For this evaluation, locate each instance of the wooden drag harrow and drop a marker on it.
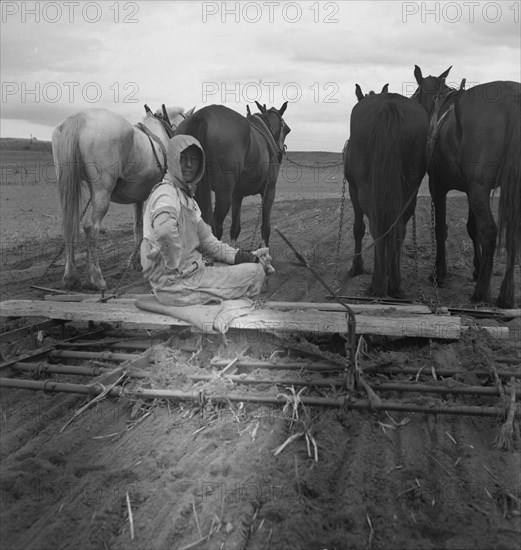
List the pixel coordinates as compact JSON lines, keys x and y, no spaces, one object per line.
{"x":123,"y":359}
{"x":343,"y":377}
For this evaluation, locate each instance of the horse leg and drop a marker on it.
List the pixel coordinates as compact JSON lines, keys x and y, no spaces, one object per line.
{"x":506,"y":292}
{"x":71,"y":277}
{"x":134,"y":261}
{"x":222,"y":206}
{"x":439,"y":198}
{"x":100,"y":205}
{"x":487,"y":233}
{"x":379,"y":280}
{"x":378,"y":285}
{"x":267,"y":203}
{"x":358,"y":232}
{"x":395,"y":275}
{"x":473,"y":234}
{"x":235,"y":227}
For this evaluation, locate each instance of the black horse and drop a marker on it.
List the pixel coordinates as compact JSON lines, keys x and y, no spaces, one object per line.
{"x":243,"y":156}
{"x":474,"y":147}
{"x":384,"y":164}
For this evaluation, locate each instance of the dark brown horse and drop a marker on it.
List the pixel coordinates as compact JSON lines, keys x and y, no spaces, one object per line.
{"x":384,"y":165}
{"x":243,"y":156}
{"x":474,"y":147}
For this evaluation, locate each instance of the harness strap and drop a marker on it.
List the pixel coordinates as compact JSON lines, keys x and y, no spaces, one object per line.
{"x":258,"y":124}
{"x":433,"y":137}
{"x":435,"y":124}
{"x":151,"y":136}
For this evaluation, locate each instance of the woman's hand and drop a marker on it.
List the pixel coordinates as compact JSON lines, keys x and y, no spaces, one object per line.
{"x":265,"y":259}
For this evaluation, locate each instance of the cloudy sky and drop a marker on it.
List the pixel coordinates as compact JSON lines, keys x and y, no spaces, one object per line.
{"x":61,"y":57}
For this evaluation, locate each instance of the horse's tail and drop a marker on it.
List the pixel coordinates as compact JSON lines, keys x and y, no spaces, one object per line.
{"x":509,"y":178}
{"x":68,"y":165}
{"x":197,"y":126}
{"x":387,"y":177}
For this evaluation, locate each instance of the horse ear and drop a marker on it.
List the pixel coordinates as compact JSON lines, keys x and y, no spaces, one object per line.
{"x":248,"y":112}
{"x":148,"y":110}
{"x":358,"y":92}
{"x":444,"y":74}
{"x":283,"y":108}
{"x":385,"y":89}
{"x":165,"y":114}
{"x":418,"y":74}
{"x":462,"y":85}
{"x":259,"y":106}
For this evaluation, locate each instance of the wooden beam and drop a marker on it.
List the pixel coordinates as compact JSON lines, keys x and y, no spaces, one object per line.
{"x":406,"y":309}
{"x":263,"y":320}
{"x":129,"y":316}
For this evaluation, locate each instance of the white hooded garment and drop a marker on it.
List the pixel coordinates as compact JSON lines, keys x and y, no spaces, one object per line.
{"x":174,"y":243}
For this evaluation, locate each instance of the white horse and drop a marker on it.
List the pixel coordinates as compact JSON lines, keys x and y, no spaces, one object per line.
{"x":118,"y":162}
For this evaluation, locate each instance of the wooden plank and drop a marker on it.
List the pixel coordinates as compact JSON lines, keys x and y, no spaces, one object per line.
{"x":406,"y":309}
{"x":427,"y":326}
{"x":127,"y":314}
{"x":264,"y":320}
{"x":375,"y":308}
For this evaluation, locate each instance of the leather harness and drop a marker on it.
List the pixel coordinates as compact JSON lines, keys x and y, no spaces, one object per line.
{"x":258,"y":124}
{"x":151,"y":136}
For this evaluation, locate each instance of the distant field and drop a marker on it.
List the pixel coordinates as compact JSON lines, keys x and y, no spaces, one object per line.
{"x":303,"y":174}
{"x":310,"y":175}
{"x":318,"y":174}
{"x":26,"y":162}
{"x":30,"y":208}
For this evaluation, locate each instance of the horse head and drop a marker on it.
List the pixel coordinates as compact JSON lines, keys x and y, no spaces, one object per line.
{"x":431,"y":89}
{"x":173,"y":116}
{"x":360,"y":95}
{"x":159,"y":123}
{"x":276,"y":124}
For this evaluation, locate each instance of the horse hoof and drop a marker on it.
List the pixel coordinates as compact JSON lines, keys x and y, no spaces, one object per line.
{"x":504,"y":303}
{"x":478,"y":298}
{"x":88,"y":285}
{"x":71,"y":284}
{"x":97,"y":283}
{"x":374,"y":293}
{"x":356,"y":270}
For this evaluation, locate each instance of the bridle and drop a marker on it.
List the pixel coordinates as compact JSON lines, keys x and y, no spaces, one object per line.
{"x":279,"y":135}
{"x":435,"y":123}
{"x":167,"y":126}
{"x":169,"y":130}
